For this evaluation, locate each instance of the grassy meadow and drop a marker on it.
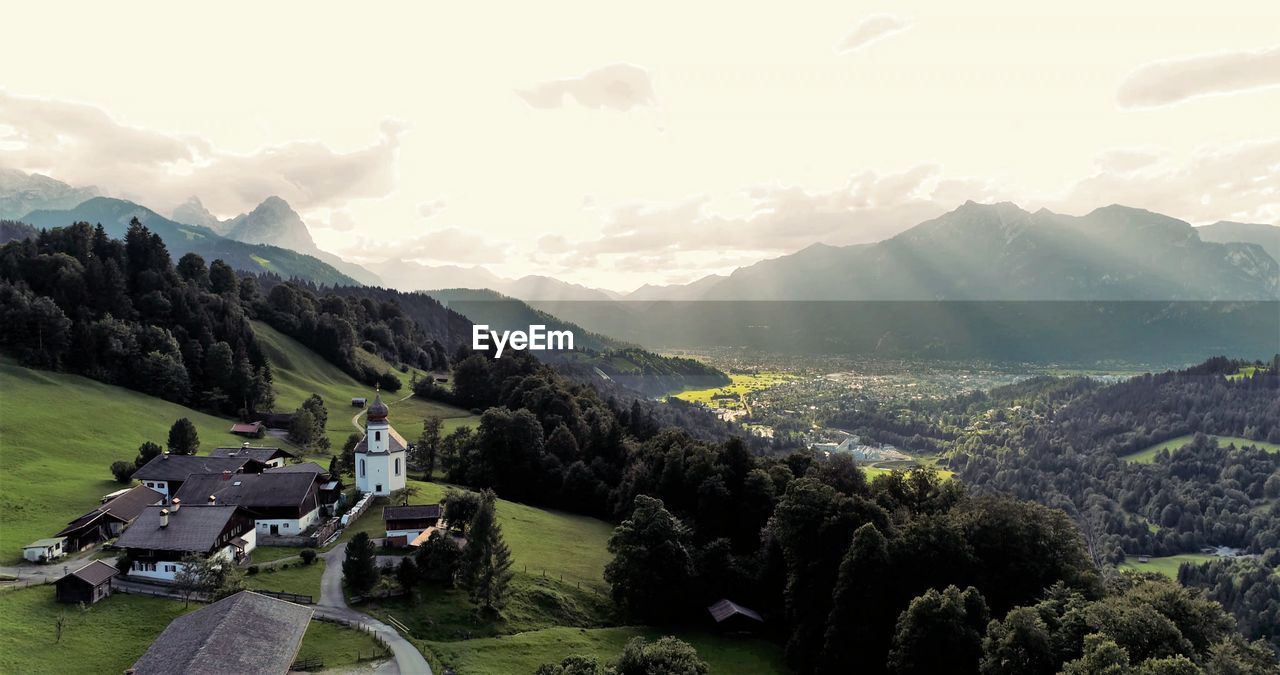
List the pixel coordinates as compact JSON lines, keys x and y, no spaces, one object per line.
{"x":1166,"y":565}
{"x":1148,"y":455}
{"x":60,"y":433}
{"x":742,"y":384}
{"x":524,"y":652}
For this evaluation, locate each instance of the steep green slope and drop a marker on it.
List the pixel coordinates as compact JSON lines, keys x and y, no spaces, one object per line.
{"x":300,"y":372}
{"x":59,"y":434}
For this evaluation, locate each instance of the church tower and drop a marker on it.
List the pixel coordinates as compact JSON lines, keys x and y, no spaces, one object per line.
{"x":380,"y":456}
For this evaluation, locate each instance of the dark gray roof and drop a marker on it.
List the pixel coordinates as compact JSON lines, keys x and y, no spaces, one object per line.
{"x":419,"y":512}
{"x":127,"y":506}
{"x":95,"y":573}
{"x":244,"y":633}
{"x":300,"y":467}
{"x":178,"y":467}
{"x":262,"y":454}
{"x":192,"y":528}
{"x":396,"y":444}
{"x":248,"y":489}
{"x":727,"y":608}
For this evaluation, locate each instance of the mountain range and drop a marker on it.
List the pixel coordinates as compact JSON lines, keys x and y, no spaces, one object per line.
{"x":181,"y":238}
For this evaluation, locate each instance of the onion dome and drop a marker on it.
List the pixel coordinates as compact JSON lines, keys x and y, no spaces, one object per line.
{"x":378,"y":410}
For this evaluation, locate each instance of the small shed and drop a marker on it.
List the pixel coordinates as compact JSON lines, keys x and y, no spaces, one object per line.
{"x":252,"y":429}
{"x":89,"y":584}
{"x":359,"y":401}
{"x":44,"y":550}
{"x":731,"y":616}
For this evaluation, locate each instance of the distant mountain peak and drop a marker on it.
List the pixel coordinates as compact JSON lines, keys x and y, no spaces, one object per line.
{"x":193,"y":212}
{"x":22,"y":193}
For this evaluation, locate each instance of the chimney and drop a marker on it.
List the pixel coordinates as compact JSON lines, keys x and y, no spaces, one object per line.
{"x":226,"y":474}
{"x":213,"y":501}
{"x":177,"y":504}
{"x":164,"y":517}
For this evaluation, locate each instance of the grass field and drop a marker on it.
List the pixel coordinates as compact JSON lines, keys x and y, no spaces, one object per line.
{"x":59,"y":435}
{"x":1166,"y":565}
{"x":112,"y":634}
{"x":300,"y":579}
{"x":1246,"y":371}
{"x":1148,"y":455}
{"x":523,"y":653}
{"x":742,"y":384}
{"x":300,"y":372}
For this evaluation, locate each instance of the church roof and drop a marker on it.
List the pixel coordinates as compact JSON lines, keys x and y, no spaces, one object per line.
{"x":378,"y":410}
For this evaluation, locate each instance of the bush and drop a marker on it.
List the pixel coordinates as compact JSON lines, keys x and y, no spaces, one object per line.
{"x":253,"y":569}
{"x":308,"y":556}
{"x":123,"y":471}
{"x":389,"y":382}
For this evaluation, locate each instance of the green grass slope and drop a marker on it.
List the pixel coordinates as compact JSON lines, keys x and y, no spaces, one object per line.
{"x":1148,"y":455}
{"x":59,"y":435}
{"x":299,"y":372}
{"x":1167,"y":565}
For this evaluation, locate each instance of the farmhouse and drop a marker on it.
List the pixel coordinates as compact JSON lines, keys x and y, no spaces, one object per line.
{"x":266,"y":455}
{"x":88,"y":584}
{"x":380,"y":455}
{"x":329,"y":487}
{"x":410,"y":521}
{"x":280,"y":502}
{"x":109,"y":519}
{"x":165,"y":473}
{"x":43,"y":550}
{"x":161,"y":537}
{"x":244,"y":633}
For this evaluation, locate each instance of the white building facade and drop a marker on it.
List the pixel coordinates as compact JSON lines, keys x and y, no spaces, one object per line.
{"x":381,"y":456}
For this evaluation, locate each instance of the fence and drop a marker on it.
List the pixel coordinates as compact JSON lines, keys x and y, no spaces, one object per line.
{"x":307,"y":664}
{"x":14,"y":584}
{"x":291,"y":597}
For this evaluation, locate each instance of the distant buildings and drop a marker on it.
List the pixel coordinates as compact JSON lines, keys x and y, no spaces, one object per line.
{"x":162,"y":536}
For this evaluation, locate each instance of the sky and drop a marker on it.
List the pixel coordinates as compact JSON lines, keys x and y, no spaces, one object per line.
{"x":616,"y":145}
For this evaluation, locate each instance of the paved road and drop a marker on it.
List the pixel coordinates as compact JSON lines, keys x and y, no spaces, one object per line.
{"x":333,"y":605}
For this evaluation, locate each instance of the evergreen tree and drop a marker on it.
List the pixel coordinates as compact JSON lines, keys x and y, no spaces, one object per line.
{"x":486,"y":563}
{"x":652,"y":564}
{"x":183,"y":439}
{"x":857,"y":635}
{"x":147,"y":452}
{"x":428,"y":444}
{"x":940,"y":632}
{"x":360,"y":566}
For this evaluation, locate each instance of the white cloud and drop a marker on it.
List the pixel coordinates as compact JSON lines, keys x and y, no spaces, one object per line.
{"x":432,"y":208}
{"x":83,"y":145}
{"x":1175,"y":80}
{"x":619,"y":86}
{"x":870,"y":29}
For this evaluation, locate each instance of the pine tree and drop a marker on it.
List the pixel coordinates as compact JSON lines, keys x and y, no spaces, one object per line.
{"x":183,"y":439}
{"x":429,"y":444}
{"x":486,"y":564}
{"x":360,"y":568}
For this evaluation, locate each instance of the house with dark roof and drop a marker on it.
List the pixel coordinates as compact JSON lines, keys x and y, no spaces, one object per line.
{"x":109,"y":519}
{"x":243,"y":633}
{"x":411,"y":521}
{"x":88,"y":584}
{"x":280,"y":502}
{"x":329,"y":487}
{"x":731,"y":616}
{"x":165,"y":472}
{"x":267,"y":455}
{"x":161,"y":537}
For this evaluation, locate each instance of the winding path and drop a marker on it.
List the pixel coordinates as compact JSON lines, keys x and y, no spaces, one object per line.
{"x":333,"y":605}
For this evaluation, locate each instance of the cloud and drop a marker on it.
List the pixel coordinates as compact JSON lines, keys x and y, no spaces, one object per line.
{"x":83,"y":145}
{"x":1238,"y":181}
{"x":339,"y":220}
{"x":870,"y":29}
{"x":619,"y":86}
{"x":432,"y":208}
{"x":1175,"y":80}
{"x":448,"y":245}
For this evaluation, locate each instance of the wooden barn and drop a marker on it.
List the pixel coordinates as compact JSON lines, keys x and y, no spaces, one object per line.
{"x":89,"y":584}
{"x":734,"y":618}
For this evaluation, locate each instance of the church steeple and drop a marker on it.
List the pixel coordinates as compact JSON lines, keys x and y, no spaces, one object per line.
{"x":378,"y":410}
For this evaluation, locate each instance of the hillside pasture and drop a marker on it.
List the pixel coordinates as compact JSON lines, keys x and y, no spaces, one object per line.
{"x":730,"y":396}
{"x":1148,"y":455}
{"x":1167,"y":565}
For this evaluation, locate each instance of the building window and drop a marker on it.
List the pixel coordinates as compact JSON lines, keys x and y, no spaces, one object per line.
{"x":286,"y":526}
{"x":362,"y":468}
{"x":397,"y":466}
{"x":377,"y":435}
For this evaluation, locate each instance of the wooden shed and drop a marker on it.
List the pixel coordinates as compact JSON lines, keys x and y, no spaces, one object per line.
{"x":89,"y":584}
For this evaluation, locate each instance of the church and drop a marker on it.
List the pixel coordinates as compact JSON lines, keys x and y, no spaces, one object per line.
{"x":381,"y":455}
